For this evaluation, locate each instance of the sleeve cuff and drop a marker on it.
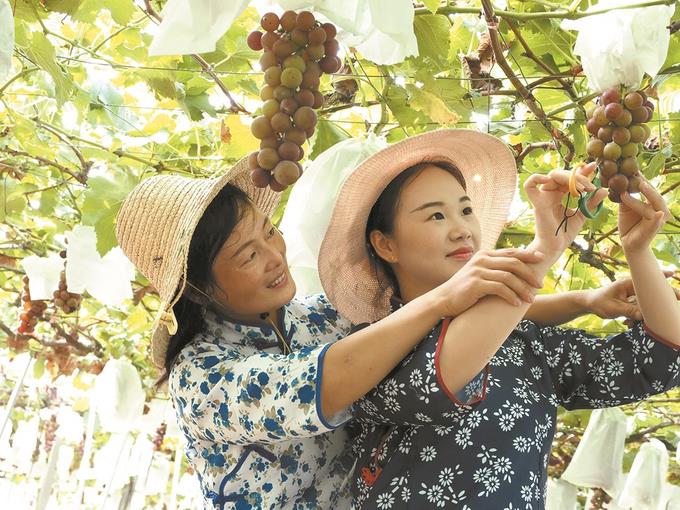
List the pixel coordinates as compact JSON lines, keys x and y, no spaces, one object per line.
{"x":660,"y":339}
{"x":473,"y":399}
{"x":338,"y":418}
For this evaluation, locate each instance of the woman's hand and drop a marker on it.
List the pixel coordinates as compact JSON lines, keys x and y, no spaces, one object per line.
{"x":549,"y":209}
{"x":639,"y":222}
{"x":504,"y":273}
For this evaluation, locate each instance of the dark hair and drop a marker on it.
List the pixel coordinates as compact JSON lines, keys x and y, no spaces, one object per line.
{"x":384,"y":210}
{"x":215,"y":226}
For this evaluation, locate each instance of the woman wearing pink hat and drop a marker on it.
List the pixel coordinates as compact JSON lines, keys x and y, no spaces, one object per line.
{"x":466,"y":420}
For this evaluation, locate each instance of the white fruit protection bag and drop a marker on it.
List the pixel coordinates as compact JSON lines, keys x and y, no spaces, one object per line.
{"x":119,"y":396}
{"x":561,"y":495}
{"x":597,"y":462}
{"x":644,"y":486}
{"x":311,"y":204}
{"x":619,"y":47}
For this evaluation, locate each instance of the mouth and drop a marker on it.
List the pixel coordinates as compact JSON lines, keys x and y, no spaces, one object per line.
{"x":461,"y":254}
{"x":279,"y":282}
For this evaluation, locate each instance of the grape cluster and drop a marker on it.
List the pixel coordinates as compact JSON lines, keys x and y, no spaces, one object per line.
{"x":67,"y":302}
{"x":32,"y":311}
{"x":50,"y":433}
{"x":160,"y":435}
{"x":618,"y":128}
{"x":297,"y":51}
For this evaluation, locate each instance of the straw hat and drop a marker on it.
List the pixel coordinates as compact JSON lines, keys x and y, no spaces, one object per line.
{"x":345,"y":270}
{"x":154,"y":228}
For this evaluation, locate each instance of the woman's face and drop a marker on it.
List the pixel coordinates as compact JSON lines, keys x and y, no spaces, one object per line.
{"x":435,"y":232}
{"x":251,"y":270}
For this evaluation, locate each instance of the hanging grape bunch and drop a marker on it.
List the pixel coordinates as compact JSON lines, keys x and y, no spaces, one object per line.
{"x":297,"y":51}
{"x":618,"y":125}
{"x":32,"y":311}
{"x":159,"y":436}
{"x":67,"y":302}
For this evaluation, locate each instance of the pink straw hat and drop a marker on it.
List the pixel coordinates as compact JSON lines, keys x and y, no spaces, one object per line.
{"x":346,"y":272}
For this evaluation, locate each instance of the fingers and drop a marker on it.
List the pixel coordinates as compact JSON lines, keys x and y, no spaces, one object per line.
{"x":518,"y":286}
{"x":588,"y":169}
{"x":502,"y":291}
{"x":637,"y":206}
{"x":597,"y":198}
{"x":515,"y":267}
{"x":528,"y":256}
{"x":654,"y":198}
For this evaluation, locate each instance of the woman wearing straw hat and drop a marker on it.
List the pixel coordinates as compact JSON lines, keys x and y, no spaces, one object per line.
{"x":467,"y":418}
{"x":260,"y":382}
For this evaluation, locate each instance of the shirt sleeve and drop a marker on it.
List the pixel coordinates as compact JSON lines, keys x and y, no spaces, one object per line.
{"x":224,"y":396}
{"x":589,"y":372}
{"x":414,"y":392}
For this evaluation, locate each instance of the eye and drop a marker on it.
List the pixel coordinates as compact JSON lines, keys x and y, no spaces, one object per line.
{"x":467,"y":210}
{"x":436,"y":216}
{"x":271,"y":233}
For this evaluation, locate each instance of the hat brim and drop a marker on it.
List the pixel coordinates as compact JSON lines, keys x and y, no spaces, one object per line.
{"x":264,"y":199}
{"x":346,"y":273}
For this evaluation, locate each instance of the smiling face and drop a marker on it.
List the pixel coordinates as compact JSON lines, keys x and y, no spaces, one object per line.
{"x":435,"y":232}
{"x":251,"y":270}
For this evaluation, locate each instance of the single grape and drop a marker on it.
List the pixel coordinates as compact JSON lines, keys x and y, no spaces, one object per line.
{"x":313,"y":67}
{"x":310,"y":80}
{"x":290,"y":151}
{"x":317,"y":35}
{"x":614,"y":196}
{"x":330,"y":29}
{"x":650,"y":113}
{"x":296,"y":136}
{"x":592,"y":126}
{"x":268,"y":158}
{"x":318,"y":100}
{"x":605,"y":133}
{"x":315,"y":51}
{"x":331,"y":48}
{"x":276,"y":186}
{"x":332,"y":65}
{"x":266,"y":93}
{"x":272,"y":76}
{"x":611,"y":95}
{"x":310,"y":132}
{"x":612,"y":151}
{"x":267,"y":60}
{"x":283,"y":48}
{"x":305,"y":21}
{"x":624,"y":119}
{"x":289,"y":106}
{"x":595,"y":147}
{"x":305,"y":97}
{"x":647,"y":130}
{"x":648,"y":104}
{"x":255,"y":40}
{"x":271,"y":142}
{"x":634,"y":184}
{"x":618,"y":183}
{"x":609,"y":168}
{"x":270,"y":22}
{"x":252,"y":160}
{"x":269,"y":39}
{"x":305,"y":118}
{"x":621,"y":135}
{"x":640,"y":115}
{"x":590,"y":109}
{"x":291,"y":78}
{"x":286,"y":172}
{"x":628,"y":167}
{"x":281,"y":123}
{"x":637,"y":133}
{"x":295,"y":61}
{"x":299,"y":37}
{"x":633,"y":100}
{"x":281,"y":92}
{"x":261,"y":128}
{"x":613,"y":110}
{"x":260,"y":177}
{"x":270,"y":108}
{"x":288,"y":20}
{"x":600,"y":117}
{"x":630,"y":150}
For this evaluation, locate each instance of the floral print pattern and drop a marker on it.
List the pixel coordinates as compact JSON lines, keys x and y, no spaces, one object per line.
{"x":488,"y":446}
{"x":251,"y":415}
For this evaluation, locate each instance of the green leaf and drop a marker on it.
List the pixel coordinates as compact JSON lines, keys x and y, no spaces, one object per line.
{"x":42,"y":52}
{"x":431,"y":30}
{"x":327,"y":134}
{"x":196,"y":106}
{"x":39,"y":368}
{"x":655,"y":165}
{"x":103,"y":199}
{"x":121,"y":10}
{"x":432,"y":5}
{"x":432,"y":106}
{"x":48,"y":201}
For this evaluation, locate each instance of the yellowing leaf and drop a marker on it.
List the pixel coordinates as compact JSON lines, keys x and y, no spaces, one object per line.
{"x":432,"y":106}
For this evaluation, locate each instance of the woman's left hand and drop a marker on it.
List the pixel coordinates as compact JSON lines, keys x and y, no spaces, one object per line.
{"x":640,"y":222}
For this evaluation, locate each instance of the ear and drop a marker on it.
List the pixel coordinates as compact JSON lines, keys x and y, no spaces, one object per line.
{"x":383,"y":246}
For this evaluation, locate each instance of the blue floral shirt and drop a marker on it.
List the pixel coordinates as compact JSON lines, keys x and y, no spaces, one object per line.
{"x":487,"y":446}
{"x":252,"y":416}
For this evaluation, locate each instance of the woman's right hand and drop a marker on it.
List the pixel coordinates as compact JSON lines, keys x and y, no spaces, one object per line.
{"x":504,"y":273}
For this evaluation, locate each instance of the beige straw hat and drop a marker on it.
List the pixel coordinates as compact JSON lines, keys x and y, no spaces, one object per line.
{"x":345,"y":270}
{"x":154,"y":228}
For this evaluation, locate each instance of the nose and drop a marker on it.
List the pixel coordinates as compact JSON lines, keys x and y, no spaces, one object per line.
{"x":459,"y":230}
{"x":275,"y":256}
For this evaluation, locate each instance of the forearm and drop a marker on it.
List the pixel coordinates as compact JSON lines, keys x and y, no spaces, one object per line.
{"x":356,"y":364}
{"x":473,"y":337}
{"x":554,"y":309}
{"x":655,"y":296}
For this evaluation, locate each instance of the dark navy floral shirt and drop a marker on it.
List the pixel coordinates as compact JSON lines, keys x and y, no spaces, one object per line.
{"x":487,"y":447}
{"x":252,"y":418}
